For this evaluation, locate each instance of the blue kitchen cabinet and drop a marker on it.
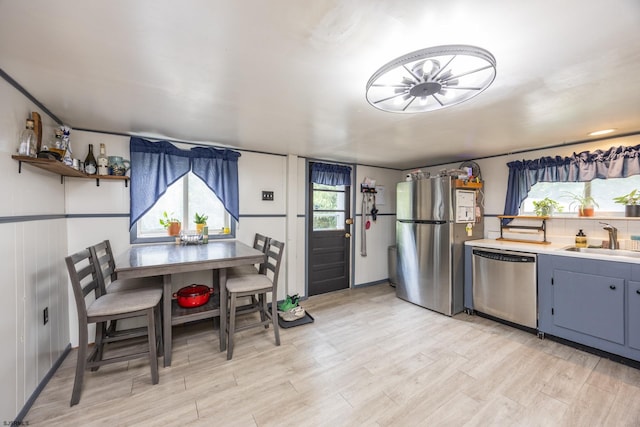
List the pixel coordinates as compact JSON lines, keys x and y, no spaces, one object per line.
{"x":590,"y":302}
{"x":633,"y":314}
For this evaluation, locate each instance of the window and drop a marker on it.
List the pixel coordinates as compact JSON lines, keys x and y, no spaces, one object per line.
{"x":182,"y":200}
{"x":602,"y":190}
{"x":328,"y":207}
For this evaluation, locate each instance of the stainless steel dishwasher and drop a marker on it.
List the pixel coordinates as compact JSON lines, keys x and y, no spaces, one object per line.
{"x":504,"y":285}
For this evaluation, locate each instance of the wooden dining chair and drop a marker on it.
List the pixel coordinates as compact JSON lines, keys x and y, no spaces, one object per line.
{"x":261,"y":243}
{"x":93,"y":305}
{"x":256,"y":284}
{"x":109,"y":282}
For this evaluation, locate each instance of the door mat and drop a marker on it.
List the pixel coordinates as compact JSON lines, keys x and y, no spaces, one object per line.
{"x":307,"y":318}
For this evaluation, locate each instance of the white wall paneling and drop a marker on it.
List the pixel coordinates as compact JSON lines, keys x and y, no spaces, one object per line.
{"x":32,"y":267}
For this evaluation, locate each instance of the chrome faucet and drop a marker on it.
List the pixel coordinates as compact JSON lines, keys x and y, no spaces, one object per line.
{"x":613,"y":235}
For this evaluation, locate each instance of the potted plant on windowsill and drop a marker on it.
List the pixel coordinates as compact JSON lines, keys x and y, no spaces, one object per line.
{"x":201,"y":222}
{"x":586,"y":204}
{"x":546,"y":207}
{"x":170,"y":223}
{"x":631,"y":203}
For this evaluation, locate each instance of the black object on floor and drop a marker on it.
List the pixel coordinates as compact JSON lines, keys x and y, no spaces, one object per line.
{"x":307,"y":318}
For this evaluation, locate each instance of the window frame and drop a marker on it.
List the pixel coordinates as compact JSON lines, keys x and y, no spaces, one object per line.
{"x":184,"y":180}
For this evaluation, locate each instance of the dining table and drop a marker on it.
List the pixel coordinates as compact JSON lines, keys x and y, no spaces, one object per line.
{"x":162,"y":259}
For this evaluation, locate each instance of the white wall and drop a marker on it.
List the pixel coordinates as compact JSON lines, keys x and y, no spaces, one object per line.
{"x":495,"y":174}
{"x":373,"y":267}
{"x":32,"y":270}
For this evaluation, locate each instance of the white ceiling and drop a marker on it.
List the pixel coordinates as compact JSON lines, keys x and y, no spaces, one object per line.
{"x":289,"y":76}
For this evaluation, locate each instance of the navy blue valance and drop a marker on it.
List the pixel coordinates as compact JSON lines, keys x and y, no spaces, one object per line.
{"x":616,"y":162}
{"x":155,"y":165}
{"x":330,"y":174}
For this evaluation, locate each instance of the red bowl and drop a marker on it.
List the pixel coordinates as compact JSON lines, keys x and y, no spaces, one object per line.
{"x":193,"y":296}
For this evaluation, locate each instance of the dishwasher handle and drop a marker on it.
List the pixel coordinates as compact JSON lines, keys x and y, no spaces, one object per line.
{"x":505,"y":257}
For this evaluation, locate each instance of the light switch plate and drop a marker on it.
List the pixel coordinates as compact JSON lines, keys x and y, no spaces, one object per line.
{"x":267,"y":195}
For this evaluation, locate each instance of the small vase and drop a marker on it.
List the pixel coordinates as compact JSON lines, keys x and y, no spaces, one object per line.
{"x":200,"y":227}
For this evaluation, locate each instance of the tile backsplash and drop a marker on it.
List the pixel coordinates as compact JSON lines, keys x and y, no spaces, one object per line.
{"x":564,"y":229}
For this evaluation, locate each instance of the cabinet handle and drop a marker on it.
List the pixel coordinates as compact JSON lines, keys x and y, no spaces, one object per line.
{"x":612,"y":287}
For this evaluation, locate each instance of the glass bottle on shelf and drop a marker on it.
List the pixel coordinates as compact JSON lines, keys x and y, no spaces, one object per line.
{"x":90,"y":164}
{"x":28,"y":141}
{"x":103,"y":161}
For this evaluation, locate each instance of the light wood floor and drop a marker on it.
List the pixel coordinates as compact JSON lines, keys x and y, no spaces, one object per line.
{"x":369,"y":359}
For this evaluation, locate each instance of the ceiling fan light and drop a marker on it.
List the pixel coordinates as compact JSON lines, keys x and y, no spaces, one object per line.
{"x":420,"y":72}
{"x":430,"y":67}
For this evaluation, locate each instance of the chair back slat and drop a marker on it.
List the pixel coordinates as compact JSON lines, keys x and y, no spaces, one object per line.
{"x":261,"y":243}
{"x":274,"y":259}
{"x":106,"y":273}
{"x":84,"y":280}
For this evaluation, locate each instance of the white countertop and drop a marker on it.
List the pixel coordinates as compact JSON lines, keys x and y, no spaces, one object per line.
{"x":551,"y":248}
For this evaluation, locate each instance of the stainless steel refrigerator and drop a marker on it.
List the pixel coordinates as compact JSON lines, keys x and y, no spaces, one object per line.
{"x":434,"y":217}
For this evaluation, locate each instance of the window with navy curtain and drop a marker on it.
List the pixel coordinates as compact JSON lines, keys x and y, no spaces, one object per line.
{"x":330,"y":174}
{"x":617,"y":162}
{"x":158,"y":164}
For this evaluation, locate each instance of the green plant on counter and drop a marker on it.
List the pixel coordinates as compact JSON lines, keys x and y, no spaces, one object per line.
{"x":546,"y":207}
{"x":581,"y":201}
{"x":633,"y":198}
{"x":167,"y":219}
{"x":200,"y":219}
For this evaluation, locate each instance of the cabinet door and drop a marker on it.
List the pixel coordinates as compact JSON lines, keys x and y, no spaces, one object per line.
{"x":589,"y":304}
{"x":633,"y":310}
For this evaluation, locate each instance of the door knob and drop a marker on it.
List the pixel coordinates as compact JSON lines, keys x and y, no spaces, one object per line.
{"x":347,"y":235}
{"x":349,"y":221}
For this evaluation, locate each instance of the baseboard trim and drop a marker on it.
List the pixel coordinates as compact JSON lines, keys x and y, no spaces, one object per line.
{"x":41,"y":386}
{"x":377,"y":282}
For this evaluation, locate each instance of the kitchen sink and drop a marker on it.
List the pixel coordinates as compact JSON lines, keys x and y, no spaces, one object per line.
{"x":601,"y":251}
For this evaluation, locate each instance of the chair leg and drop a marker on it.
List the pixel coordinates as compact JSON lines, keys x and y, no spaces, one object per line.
{"x":262,"y":305}
{"x":153,"y":356}
{"x":159,"y":340}
{"x":232,"y":324}
{"x":274,"y":319}
{"x":81,"y":363}
{"x":101,"y":331}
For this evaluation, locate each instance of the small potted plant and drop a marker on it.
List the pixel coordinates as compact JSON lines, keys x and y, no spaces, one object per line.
{"x":586,"y":204}
{"x":201,"y":222}
{"x":546,"y":207}
{"x":170,"y":223}
{"x":631,"y":203}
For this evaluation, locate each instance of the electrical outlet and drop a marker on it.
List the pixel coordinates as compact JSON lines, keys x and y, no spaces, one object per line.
{"x":267,"y":195}
{"x":45,"y":315}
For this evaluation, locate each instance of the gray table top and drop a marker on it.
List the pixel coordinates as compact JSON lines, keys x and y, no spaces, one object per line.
{"x":157,"y":259}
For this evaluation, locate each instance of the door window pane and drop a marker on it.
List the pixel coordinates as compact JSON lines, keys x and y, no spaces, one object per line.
{"x":328,"y":207}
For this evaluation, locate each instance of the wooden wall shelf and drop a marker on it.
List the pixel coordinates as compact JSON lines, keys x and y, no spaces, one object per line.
{"x":63,"y":170}
{"x":460,"y":183}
